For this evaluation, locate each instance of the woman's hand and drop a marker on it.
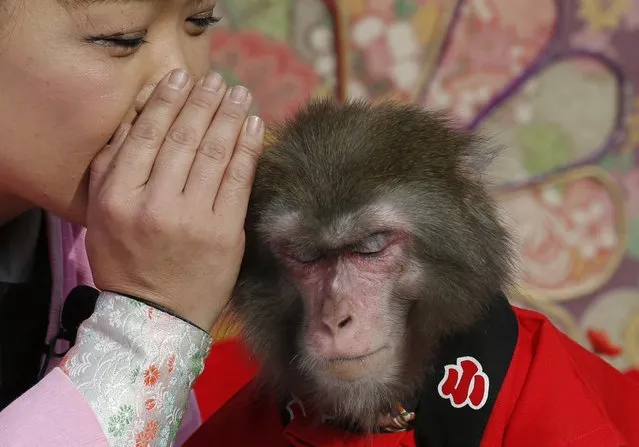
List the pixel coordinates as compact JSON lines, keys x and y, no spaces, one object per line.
{"x":168,"y":198}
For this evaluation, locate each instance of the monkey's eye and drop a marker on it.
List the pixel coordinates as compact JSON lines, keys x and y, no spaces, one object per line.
{"x":306,"y":256}
{"x":373,"y":244}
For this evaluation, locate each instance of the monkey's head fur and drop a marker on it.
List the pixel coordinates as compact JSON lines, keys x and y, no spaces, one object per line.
{"x":370,"y":237}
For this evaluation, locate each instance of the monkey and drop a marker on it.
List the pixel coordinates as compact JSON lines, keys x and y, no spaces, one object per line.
{"x":353,"y":263}
{"x":376,"y":274}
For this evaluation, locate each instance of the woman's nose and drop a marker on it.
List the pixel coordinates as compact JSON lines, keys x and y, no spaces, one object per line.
{"x":147,"y":90}
{"x":160,"y":64}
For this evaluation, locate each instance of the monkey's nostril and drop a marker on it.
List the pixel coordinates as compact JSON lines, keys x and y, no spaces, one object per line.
{"x":344,"y":322}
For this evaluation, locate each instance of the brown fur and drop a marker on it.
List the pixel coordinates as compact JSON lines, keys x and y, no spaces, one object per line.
{"x":332,"y":159}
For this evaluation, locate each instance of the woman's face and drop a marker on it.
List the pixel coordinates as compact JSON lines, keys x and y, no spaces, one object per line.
{"x":71,"y":71}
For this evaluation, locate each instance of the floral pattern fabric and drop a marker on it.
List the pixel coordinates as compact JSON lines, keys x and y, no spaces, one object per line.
{"x":135,"y":365}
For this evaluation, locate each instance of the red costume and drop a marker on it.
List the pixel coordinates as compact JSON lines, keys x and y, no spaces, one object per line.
{"x":517,"y":381}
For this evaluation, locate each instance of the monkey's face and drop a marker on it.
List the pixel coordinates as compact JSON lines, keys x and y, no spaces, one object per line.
{"x":326,"y":304}
{"x":353,"y":279}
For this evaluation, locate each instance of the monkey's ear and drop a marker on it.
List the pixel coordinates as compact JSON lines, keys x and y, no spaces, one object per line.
{"x":476,"y":158}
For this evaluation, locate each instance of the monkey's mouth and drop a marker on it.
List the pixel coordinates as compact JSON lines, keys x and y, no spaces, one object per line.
{"x":357,"y":367}
{"x":354,"y":358}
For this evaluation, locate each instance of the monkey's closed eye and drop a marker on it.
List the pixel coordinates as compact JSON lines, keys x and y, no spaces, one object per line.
{"x":373,"y":244}
{"x":306,"y":256}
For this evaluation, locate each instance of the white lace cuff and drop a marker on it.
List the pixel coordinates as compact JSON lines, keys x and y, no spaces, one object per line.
{"x":136,"y":365}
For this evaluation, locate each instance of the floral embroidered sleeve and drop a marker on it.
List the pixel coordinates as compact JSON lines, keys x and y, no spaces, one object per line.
{"x":136,"y":365}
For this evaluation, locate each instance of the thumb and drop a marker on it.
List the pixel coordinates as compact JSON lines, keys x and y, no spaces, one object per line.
{"x":103,"y":161}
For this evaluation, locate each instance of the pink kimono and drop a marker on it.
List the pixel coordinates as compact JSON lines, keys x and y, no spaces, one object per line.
{"x":151,"y":400}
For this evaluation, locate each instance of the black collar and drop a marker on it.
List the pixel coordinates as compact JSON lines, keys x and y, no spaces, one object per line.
{"x":455,"y":407}
{"x":459,"y":420}
{"x":24,"y":317}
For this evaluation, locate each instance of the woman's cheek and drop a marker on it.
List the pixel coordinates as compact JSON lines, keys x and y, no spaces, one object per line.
{"x":90,"y":109}
{"x":83,"y":114}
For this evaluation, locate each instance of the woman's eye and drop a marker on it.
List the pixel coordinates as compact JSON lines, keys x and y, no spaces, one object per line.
{"x":202,"y":22}
{"x":124,"y":44}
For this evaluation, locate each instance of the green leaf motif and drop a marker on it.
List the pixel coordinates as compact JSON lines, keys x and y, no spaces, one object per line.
{"x":134,"y":374}
{"x":119,"y":422}
{"x":271,"y":17}
{"x":174,"y":428}
{"x":545,"y":147}
{"x":197,"y":364}
{"x":405,"y":8}
{"x":633,"y":238}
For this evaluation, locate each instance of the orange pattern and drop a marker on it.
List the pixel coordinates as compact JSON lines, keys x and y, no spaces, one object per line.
{"x":151,"y":376}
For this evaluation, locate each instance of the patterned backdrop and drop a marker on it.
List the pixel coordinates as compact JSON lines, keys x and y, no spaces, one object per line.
{"x":555,"y":81}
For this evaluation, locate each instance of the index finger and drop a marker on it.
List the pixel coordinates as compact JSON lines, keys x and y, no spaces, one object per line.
{"x":135,"y":159}
{"x":235,"y":190}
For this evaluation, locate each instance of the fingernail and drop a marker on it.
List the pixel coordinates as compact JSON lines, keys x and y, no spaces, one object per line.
{"x":212,"y":82}
{"x":254,"y":125}
{"x":178,"y":79}
{"x":239,"y":94}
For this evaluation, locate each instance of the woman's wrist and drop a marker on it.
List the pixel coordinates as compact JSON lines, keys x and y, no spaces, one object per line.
{"x":161,"y":308}
{"x":136,"y":365}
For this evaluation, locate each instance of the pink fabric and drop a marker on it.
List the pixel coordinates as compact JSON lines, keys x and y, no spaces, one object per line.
{"x":70,"y":267}
{"x":53,"y":413}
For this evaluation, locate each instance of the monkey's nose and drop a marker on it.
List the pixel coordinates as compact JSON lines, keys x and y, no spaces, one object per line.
{"x":336,"y":323}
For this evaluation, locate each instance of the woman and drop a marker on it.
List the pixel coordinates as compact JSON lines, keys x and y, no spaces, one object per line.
{"x":109,"y":119}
